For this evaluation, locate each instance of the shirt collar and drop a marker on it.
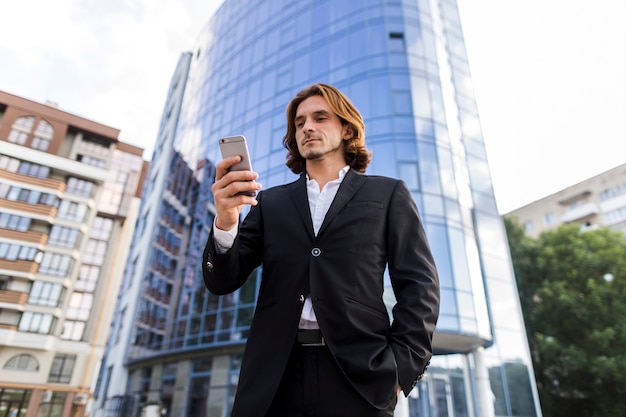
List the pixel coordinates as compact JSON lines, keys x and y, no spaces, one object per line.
{"x":342,"y":173}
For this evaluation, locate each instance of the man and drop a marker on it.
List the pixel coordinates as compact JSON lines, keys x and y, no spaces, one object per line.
{"x":321,"y":342}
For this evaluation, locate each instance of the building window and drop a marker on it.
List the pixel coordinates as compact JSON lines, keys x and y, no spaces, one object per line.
{"x":55,"y":264}
{"x":615,"y":216}
{"x":14,"y":222}
{"x":95,"y":146}
{"x":36,"y":323}
{"x":101,"y":228}
{"x":576,"y":204}
{"x":40,"y":144}
{"x":12,"y":252}
{"x":199,"y":387}
{"x":45,"y":294}
{"x":549,"y":219}
{"x":79,"y":187}
{"x":396,"y":42}
{"x":9,"y":164}
{"x":87,"y":278}
{"x":22,"y":362}
{"x":79,"y":306}
{"x":14,"y":401}
{"x":529,"y":227}
{"x":27,"y":196}
{"x":53,"y":405}
{"x":90,"y":160}
{"x":120,"y":326}
{"x":613,"y":192}
{"x":43,"y":136}
{"x":18,"y":137}
{"x":62,"y":368}
{"x":94,"y":252}
{"x":69,"y":210}
{"x":21,"y":129}
{"x":62,"y":236}
{"x":73,"y":330}
{"x":33,"y":170}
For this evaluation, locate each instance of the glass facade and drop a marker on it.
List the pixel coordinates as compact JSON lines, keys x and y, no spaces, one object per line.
{"x":403,"y":64}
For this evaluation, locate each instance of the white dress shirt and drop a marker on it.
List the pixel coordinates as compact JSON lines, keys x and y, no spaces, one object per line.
{"x":319,"y":203}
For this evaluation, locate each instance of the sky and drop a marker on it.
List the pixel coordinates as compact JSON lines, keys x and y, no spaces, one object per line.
{"x":549,"y":76}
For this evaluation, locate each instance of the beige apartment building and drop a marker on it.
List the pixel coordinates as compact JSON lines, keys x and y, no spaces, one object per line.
{"x":597,"y":201}
{"x":69,"y":194}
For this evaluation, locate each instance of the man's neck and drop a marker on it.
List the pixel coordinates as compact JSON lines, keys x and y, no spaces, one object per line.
{"x":323,"y":173}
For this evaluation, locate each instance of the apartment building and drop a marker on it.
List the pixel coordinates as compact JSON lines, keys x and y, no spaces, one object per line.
{"x":69,"y":197}
{"x":594,"y":202}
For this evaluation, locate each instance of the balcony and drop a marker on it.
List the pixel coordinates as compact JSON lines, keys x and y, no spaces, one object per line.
{"x":53,"y":185}
{"x":28,"y":236}
{"x":12,"y":337}
{"x":29,"y":267}
{"x":26,"y":208}
{"x":13,"y":297}
{"x":152,"y":322}
{"x":578,"y":213}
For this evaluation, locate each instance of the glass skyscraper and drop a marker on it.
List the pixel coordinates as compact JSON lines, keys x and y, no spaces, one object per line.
{"x":404,"y":66}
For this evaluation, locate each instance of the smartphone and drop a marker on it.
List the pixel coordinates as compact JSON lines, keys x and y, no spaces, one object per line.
{"x":236,"y":145}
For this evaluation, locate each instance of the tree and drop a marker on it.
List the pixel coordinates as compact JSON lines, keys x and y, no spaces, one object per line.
{"x":572,"y":286}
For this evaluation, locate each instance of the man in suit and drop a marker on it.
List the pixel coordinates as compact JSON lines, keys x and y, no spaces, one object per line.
{"x":321,"y":342}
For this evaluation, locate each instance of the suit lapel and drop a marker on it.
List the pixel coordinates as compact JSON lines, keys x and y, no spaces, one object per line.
{"x":301,"y":201}
{"x":348,"y":188}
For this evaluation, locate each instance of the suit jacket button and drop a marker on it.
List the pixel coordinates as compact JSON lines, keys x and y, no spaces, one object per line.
{"x":209,"y":266}
{"x":316,"y":252}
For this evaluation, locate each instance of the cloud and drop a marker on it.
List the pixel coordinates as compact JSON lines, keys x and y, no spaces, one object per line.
{"x":109,"y":61}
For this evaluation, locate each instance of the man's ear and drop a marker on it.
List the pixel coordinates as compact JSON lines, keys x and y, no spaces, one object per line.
{"x":348,"y":132}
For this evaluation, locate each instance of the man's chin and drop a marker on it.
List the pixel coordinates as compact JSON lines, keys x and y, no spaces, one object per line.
{"x":312,"y":156}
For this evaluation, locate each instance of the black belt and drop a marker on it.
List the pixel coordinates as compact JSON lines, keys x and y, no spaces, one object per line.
{"x":310,"y":337}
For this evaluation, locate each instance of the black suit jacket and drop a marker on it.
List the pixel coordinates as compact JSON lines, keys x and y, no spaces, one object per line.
{"x":373,"y":222}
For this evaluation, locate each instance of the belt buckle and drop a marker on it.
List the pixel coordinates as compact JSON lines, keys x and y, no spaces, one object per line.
{"x":314,"y":344}
{"x":311,"y":338}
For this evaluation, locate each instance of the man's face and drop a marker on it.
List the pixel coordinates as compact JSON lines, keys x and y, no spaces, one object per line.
{"x":319,"y":132}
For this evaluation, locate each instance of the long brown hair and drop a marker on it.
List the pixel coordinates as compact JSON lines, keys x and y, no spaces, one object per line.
{"x":355,"y":152}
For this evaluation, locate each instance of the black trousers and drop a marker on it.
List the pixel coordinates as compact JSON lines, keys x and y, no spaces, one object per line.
{"x":314,"y":386}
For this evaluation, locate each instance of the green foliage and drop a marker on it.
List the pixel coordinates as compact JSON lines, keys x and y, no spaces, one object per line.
{"x":575,"y":317}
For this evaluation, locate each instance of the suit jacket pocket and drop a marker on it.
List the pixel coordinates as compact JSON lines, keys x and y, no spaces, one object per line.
{"x":371,"y":310}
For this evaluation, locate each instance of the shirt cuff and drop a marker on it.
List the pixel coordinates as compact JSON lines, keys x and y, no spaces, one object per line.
{"x":223,"y":238}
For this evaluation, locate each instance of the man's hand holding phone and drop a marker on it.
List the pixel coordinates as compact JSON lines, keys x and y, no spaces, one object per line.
{"x":235,"y":183}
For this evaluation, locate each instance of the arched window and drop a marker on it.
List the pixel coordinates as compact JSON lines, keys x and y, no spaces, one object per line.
{"x":43,"y":136}
{"x":21,"y":129}
{"x":22,"y":362}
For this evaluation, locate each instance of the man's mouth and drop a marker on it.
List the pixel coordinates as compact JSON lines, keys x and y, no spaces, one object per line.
{"x":306,"y":141}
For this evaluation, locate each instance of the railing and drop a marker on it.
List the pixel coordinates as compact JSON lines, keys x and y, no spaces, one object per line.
{"x":29,"y":267}
{"x":54,"y":185}
{"x":40,"y":209}
{"x":13,"y":297}
{"x":27,"y":236}
{"x":580,"y":212}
